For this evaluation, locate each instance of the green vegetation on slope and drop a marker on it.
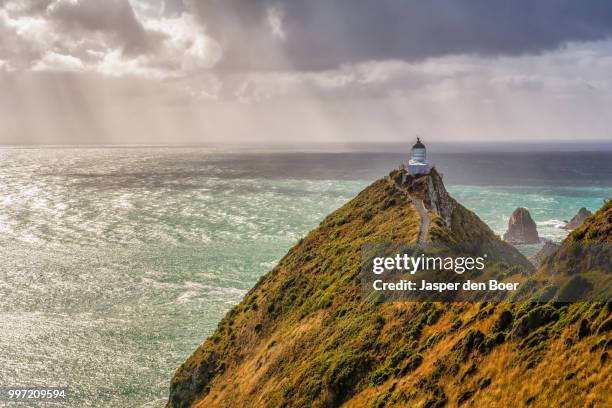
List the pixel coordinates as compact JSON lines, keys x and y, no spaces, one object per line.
{"x":314,"y":288}
{"x":586,"y":256}
{"x":596,"y":228}
{"x":304,"y":337}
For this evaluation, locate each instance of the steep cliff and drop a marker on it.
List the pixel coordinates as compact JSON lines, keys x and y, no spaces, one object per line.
{"x":453,"y":225}
{"x":305,"y":337}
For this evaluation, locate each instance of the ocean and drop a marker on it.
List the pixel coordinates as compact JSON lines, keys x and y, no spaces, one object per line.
{"x":116,"y":263}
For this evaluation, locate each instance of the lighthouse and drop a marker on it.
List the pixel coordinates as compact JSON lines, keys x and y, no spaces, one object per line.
{"x":418,"y":159}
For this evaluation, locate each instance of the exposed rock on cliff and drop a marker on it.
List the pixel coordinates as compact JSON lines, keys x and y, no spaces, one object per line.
{"x":578,"y":219}
{"x":521,"y":228}
{"x":431,"y":190}
{"x":438,"y":200}
{"x":453,"y":225}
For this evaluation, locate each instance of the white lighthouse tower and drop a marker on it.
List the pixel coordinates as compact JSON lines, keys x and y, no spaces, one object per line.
{"x":418,"y":159}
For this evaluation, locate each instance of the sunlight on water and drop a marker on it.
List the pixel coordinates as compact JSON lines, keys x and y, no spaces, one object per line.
{"x":117,"y":263}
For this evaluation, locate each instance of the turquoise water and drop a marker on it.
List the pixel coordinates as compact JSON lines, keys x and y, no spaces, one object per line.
{"x":117,"y":263}
{"x":550,"y":206}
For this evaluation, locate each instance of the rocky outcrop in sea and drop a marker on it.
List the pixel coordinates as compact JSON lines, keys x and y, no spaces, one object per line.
{"x":578,"y":219}
{"x":521,"y":228}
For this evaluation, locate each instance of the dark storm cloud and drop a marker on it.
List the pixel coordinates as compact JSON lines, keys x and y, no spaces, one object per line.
{"x":323,"y":34}
{"x":110,"y":16}
{"x":30,"y":7}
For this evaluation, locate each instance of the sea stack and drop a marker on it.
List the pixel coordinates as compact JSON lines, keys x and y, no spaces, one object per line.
{"x":578,"y":219}
{"x":521,"y":228}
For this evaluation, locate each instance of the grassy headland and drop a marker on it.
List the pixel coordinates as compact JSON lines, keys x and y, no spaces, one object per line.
{"x":305,"y":337}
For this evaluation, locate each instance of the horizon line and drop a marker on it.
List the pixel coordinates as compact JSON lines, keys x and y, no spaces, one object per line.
{"x":592,"y":145}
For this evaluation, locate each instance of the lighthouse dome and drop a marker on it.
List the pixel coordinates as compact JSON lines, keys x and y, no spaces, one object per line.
{"x":418,"y":152}
{"x":418,"y":144}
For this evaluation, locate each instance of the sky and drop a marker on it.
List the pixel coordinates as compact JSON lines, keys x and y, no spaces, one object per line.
{"x":228,"y":72}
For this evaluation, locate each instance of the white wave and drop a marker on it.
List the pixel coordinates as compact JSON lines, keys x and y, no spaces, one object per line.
{"x":551,"y":223}
{"x":186,"y":296}
{"x":268,"y":265}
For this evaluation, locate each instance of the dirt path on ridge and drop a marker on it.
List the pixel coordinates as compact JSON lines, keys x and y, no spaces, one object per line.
{"x":423,"y":237}
{"x":424,"y":227}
